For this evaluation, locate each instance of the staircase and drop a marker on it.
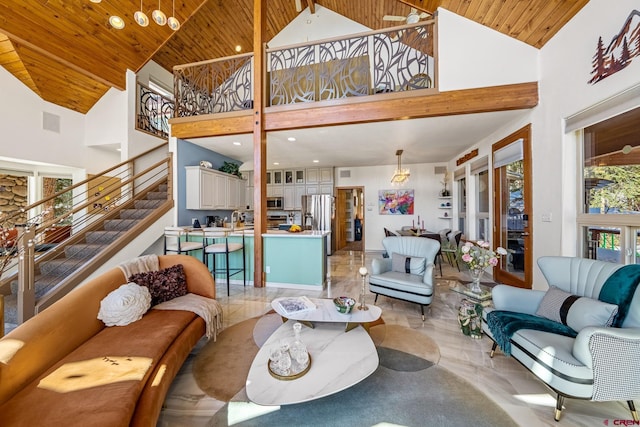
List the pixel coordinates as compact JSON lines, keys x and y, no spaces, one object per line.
{"x":76,"y":255}
{"x":131,"y":216}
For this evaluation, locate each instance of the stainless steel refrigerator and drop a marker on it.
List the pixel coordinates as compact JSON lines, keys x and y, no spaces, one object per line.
{"x":318,"y":214}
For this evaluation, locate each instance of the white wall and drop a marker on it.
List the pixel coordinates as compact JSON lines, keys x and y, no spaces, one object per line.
{"x":423,"y":181}
{"x":564,"y":89}
{"x":565,"y":66}
{"x":323,"y":24}
{"x":23,"y":136}
{"x":471,"y":55}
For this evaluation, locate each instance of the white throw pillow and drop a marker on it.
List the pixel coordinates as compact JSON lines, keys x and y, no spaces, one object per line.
{"x":407,"y":264}
{"x":125,"y":305}
{"x":575,"y":311}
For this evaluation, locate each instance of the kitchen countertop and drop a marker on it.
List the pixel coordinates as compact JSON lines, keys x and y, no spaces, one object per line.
{"x":248,"y":231}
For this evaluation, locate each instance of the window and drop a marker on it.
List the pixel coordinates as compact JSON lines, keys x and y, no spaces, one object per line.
{"x":480,"y":172}
{"x":61,"y":204}
{"x":610,"y":189}
{"x":461,"y":183}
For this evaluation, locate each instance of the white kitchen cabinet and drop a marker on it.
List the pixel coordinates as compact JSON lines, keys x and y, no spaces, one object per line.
{"x":319,"y":175}
{"x":275,"y":191}
{"x":301,"y":190}
{"x":207,"y":189}
{"x":326,"y":189}
{"x":248,"y":198}
{"x":289,"y":198}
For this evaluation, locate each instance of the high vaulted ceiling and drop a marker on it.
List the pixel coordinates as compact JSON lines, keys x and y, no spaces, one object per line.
{"x":67,"y":53}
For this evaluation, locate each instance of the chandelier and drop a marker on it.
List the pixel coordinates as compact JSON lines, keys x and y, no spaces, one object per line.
{"x":400,"y":176}
{"x":142,"y":19}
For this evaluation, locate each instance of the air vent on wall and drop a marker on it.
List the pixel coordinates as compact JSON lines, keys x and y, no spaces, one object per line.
{"x":50,"y":122}
{"x":345,"y":174}
{"x":440,"y":170}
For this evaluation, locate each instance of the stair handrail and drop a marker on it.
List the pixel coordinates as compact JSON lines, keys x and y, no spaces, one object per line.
{"x":86,"y":181}
{"x":131,"y":180}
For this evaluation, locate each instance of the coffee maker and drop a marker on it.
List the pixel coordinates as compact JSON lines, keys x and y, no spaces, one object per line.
{"x":214,"y":221}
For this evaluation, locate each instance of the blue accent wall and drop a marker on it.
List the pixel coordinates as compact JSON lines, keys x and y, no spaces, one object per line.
{"x":190,"y":154}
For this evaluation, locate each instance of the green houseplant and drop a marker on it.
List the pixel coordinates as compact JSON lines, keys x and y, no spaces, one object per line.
{"x":231,"y":168}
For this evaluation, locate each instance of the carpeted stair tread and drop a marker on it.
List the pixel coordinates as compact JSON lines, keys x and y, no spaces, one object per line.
{"x":148,"y":204}
{"x":157,"y":195}
{"x":42,"y":282}
{"x":119,"y":224}
{"x":135,"y":213}
{"x":102,"y":236}
{"x":61,"y":267}
{"x":83,"y":250}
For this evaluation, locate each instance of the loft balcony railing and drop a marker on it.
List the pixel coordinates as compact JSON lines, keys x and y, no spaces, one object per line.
{"x":392,"y":60}
{"x":153,"y":111}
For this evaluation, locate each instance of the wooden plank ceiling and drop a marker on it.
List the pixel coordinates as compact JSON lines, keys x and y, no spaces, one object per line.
{"x":66,"y":51}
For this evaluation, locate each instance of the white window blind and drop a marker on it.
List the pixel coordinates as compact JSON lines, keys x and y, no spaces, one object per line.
{"x":458,"y":174}
{"x":509,"y":154}
{"x":616,"y":105}
{"x":480,"y":166}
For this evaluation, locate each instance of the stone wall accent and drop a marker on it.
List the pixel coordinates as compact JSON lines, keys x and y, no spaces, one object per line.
{"x":13,"y":197}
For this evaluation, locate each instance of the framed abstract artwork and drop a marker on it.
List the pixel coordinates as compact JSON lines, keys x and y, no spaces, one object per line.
{"x":395,"y":202}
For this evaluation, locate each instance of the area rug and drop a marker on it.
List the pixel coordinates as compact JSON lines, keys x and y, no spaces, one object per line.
{"x":408,"y":388}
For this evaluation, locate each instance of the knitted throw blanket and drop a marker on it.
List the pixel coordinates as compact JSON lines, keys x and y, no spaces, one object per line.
{"x":503,"y":324}
{"x":140,"y":265}
{"x":209,"y":309}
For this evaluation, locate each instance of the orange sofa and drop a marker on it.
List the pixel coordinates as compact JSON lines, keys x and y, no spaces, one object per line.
{"x":69,"y":334}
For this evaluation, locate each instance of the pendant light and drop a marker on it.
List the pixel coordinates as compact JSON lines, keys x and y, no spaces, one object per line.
{"x":140,"y":17}
{"x":173,"y":22}
{"x":158,"y":16}
{"x":401,"y":175}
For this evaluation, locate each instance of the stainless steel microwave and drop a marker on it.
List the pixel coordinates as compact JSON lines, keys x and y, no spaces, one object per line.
{"x":275,"y":203}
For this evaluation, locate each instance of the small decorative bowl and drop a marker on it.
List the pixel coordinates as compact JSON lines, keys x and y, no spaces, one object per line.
{"x":344,"y":305}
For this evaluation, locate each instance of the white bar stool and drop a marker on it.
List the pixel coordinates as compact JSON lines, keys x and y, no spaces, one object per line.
{"x":173,"y":241}
{"x":217,"y":243}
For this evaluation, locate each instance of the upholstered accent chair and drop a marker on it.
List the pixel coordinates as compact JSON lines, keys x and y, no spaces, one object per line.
{"x":581,"y":337}
{"x":408,"y":272}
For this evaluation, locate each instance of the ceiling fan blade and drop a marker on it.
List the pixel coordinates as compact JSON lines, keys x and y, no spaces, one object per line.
{"x":424,"y":15}
{"x":393,"y":18}
{"x":298,"y":5}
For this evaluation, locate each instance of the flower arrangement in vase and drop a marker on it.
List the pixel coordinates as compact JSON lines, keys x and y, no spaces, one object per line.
{"x":445,"y":181}
{"x":478,"y":256}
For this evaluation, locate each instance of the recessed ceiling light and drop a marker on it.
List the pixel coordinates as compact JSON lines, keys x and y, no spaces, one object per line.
{"x":116,"y":22}
{"x":238,"y":48}
{"x":292,"y":139}
{"x":96,"y":1}
{"x":276,"y":163}
{"x":237,"y":143}
{"x":316,"y":161}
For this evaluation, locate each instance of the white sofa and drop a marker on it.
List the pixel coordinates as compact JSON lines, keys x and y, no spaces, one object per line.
{"x":408,"y":272}
{"x":600,"y":363}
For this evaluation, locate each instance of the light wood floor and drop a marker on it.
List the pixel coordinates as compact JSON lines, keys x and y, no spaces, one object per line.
{"x":503,"y":379}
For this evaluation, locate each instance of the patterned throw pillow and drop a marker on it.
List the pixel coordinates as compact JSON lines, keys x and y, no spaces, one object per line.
{"x":574,"y":311}
{"x":407,"y":264}
{"x":163,"y":285}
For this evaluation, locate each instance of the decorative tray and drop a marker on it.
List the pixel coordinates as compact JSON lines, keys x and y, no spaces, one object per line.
{"x":296,"y":370}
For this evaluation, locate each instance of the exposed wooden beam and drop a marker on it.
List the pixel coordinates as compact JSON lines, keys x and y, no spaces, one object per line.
{"x":368,"y":109}
{"x":259,"y":139}
{"x":312,"y":6}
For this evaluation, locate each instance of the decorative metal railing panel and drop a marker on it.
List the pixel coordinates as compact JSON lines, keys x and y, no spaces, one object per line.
{"x":216,"y":86}
{"x":392,"y":60}
{"x":402,"y":59}
{"x":154,"y":112}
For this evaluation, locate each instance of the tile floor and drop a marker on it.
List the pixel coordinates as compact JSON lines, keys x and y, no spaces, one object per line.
{"x":503,"y":379}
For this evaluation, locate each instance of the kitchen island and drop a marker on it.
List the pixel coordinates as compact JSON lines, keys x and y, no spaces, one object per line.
{"x":291,"y":260}
{"x":295,"y":260}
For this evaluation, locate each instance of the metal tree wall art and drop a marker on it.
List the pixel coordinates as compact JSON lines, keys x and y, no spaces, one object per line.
{"x":620,"y":52}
